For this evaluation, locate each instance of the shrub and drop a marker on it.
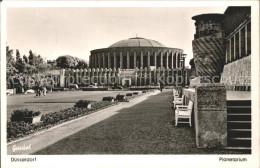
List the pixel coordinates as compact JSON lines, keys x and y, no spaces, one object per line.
{"x":23,"y":114}
{"x":82,"y":103}
{"x":129,"y":94}
{"x":109,"y":98}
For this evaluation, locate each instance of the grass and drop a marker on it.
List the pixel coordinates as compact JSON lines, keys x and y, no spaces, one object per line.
{"x":146,"y":128}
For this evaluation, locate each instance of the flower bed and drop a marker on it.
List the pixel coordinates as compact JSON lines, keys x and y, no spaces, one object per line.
{"x":20,"y":129}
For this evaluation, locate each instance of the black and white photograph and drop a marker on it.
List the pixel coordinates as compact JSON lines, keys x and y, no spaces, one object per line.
{"x":130,"y":84}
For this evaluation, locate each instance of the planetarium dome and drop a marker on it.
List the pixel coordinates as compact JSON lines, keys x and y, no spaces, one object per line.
{"x":137,"y":42}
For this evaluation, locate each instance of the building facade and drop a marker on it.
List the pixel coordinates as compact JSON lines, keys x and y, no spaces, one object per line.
{"x":222,"y":47}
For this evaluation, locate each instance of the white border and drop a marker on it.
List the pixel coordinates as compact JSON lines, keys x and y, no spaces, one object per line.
{"x":143,"y":161}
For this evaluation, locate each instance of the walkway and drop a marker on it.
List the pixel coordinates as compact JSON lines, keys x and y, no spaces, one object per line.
{"x":144,"y":128}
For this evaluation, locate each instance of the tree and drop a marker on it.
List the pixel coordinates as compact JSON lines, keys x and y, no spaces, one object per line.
{"x":25,"y":59}
{"x":67,"y":61}
{"x":10,"y":67}
{"x":31,"y":58}
{"x":19,"y":64}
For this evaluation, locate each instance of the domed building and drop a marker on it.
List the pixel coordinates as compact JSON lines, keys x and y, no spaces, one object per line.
{"x":134,"y":53}
{"x":131,"y":63}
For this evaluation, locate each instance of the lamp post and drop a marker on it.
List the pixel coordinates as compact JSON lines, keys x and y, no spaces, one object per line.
{"x":183,"y":56}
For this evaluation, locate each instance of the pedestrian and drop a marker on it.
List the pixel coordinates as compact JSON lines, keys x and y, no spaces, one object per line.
{"x":161,"y":86}
{"x":37,"y":89}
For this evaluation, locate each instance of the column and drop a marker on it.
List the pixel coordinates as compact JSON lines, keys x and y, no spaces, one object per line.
{"x":172,"y":60}
{"x":134,"y":59}
{"x":230,"y":55}
{"x":148,"y":59}
{"x":127,"y":60}
{"x":142,"y":59}
{"x":108,"y":60}
{"x":167,"y":59}
{"x":104,"y":60}
{"x":96,"y":60}
{"x":239,"y":45}
{"x":115,"y":64}
{"x":99,"y":60}
{"x":90,"y":61}
{"x":121,"y":60}
{"x":161,"y":59}
{"x":234,"y":46}
{"x":176,"y":62}
{"x":155,"y":60}
{"x":246,"y":39}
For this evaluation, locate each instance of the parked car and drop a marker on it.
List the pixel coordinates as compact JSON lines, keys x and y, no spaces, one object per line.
{"x":92,"y":86}
{"x":117,"y":87}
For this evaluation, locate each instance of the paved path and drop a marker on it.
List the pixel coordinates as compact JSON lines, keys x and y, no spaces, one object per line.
{"x":46,"y":138}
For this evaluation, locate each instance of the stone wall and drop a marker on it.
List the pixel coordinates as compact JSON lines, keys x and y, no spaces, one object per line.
{"x":237,"y":75}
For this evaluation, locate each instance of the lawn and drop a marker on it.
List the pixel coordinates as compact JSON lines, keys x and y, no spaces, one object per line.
{"x":54,"y":101}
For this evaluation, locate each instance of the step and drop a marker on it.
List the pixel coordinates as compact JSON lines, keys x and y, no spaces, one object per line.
{"x":239,"y":122}
{"x":238,"y":102}
{"x":241,"y":139}
{"x":238,"y":133}
{"x":245,"y":149}
{"x":232,"y":114}
{"x":239,"y":125}
{"x":238,"y":109}
{"x":242,"y":130}
{"x":238,"y":142}
{"x":239,"y":116}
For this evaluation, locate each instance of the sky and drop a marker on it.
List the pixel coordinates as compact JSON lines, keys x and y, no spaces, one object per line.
{"x":52,"y":32}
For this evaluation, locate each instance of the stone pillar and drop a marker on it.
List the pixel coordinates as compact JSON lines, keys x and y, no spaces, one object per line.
{"x":121,"y":60}
{"x":161,"y":57}
{"x":148,"y":59}
{"x":104,"y":60}
{"x":149,"y":76}
{"x":90,"y":61}
{"x":172,"y":54}
{"x":62,"y":78}
{"x":167,"y":59}
{"x":127,"y":60}
{"x":230,"y":48}
{"x":99,"y":60}
{"x":239,"y":43}
{"x":235,"y":47}
{"x":209,"y":47}
{"x":155,"y":60}
{"x":134,"y":59}
{"x":115,"y":64}
{"x":142,"y":60}
{"x":108,"y":60}
{"x":246,"y":39}
{"x":210,"y":115}
{"x":176,"y":63}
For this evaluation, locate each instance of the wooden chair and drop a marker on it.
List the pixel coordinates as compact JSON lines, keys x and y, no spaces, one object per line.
{"x":175,"y":93}
{"x":178,"y":101}
{"x":183,"y":112}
